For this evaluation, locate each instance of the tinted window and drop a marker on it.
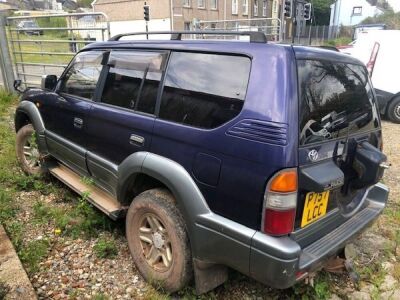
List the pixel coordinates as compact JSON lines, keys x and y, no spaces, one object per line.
{"x":133,"y":79}
{"x":335,"y":99}
{"x":83,"y":74}
{"x":204,"y":90}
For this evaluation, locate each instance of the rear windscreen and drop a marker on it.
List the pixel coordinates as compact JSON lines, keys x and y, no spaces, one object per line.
{"x":336,"y":99}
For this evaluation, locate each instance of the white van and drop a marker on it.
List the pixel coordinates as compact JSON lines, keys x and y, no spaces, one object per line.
{"x":380,"y":51}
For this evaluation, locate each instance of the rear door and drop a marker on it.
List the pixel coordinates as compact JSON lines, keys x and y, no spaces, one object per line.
{"x":121,"y":120}
{"x":337,"y":112}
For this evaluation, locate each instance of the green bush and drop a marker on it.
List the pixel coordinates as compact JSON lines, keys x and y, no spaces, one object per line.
{"x":390,"y":18}
{"x":338,"y":42}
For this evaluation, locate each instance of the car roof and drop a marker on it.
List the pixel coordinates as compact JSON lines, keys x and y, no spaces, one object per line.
{"x":242,"y":47}
{"x":234,"y":47}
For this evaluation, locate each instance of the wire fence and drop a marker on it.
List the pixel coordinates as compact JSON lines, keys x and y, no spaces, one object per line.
{"x":321,"y":35}
{"x":271,"y":27}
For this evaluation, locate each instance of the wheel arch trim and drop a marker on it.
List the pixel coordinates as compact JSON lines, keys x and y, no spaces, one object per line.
{"x":28,"y":108}
{"x":213,"y":237}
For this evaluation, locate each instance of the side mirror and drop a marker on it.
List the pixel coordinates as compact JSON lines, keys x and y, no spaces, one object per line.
{"x":17,"y":84}
{"x":49,"y":82}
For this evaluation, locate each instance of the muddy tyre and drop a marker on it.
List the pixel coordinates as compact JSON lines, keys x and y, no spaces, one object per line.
{"x":158,"y":240}
{"x":393,"y":112}
{"x":27,"y":150}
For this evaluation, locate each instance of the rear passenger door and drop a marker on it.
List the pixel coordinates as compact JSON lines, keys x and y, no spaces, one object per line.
{"x":202,"y":95}
{"x":122,"y":118}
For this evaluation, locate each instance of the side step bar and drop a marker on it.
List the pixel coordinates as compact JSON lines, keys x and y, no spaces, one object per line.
{"x":100,"y":199}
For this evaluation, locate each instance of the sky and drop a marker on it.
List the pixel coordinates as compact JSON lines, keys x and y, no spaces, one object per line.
{"x":395,"y":4}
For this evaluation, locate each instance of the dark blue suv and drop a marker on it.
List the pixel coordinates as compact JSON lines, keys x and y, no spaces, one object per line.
{"x":264,"y":158}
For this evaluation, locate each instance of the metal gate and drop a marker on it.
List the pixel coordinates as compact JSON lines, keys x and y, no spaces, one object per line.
{"x":44,"y":44}
{"x":272,"y":27}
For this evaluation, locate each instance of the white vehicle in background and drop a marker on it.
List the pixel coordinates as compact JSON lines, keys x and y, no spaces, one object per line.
{"x":380,"y":51}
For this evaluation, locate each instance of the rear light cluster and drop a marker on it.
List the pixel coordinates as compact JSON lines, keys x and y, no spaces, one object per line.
{"x":280,"y":201}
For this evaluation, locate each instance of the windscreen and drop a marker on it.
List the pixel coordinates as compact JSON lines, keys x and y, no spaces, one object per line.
{"x":336,"y":100}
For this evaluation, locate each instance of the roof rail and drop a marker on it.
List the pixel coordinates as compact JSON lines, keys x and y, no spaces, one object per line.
{"x":255,"y":36}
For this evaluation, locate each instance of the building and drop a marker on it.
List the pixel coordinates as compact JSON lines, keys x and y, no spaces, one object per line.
{"x":352,"y":12}
{"x":261,"y":8}
{"x":7,"y":7}
{"x":127,"y":15}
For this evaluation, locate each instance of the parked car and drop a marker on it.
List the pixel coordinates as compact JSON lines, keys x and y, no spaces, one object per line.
{"x":379,"y":50}
{"x":264,"y":158}
{"x":29,"y":27}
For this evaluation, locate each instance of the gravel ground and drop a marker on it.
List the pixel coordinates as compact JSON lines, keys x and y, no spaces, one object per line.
{"x":71,"y":270}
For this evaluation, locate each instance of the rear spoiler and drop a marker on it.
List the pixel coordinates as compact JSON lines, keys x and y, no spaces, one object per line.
{"x":332,"y":48}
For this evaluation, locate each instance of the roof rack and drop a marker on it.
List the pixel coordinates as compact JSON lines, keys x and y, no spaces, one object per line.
{"x":255,"y":36}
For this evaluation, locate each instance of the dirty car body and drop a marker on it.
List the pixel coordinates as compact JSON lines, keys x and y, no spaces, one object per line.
{"x":273,"y":152}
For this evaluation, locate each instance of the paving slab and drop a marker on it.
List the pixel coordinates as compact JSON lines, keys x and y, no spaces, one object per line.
{"x":12,"y":273}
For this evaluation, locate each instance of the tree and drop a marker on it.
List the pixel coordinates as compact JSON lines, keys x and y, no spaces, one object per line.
{"x":322,"y":11}
{"x":84,"y":3}
{"x":390,"y":18}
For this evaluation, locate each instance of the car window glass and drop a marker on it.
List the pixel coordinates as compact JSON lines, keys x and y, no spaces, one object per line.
{"x":83,"y":74}
{"x":336,"y":99}
{"x":133,"y":80}
{"x":204,"y":90}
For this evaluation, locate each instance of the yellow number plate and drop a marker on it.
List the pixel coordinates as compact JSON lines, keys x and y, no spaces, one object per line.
{"x":314,"y":207}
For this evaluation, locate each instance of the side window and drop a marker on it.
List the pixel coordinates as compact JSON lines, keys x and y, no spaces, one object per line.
{"x":204,"y":90}
{"x":133,"y":80}
{"x":83,"y":74}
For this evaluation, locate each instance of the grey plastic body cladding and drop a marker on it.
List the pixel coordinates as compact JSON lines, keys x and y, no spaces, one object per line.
{"x":30,"y":109}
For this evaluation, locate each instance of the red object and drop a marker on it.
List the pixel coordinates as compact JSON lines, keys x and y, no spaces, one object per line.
{"x":372,"y":59}
{"x":279,"y":222}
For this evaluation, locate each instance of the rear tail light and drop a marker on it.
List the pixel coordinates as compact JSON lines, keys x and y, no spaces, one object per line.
{"x":280,"y":201}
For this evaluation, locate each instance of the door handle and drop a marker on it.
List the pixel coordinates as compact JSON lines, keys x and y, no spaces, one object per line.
{"x":78,"y":123}
{"x":136,"y":140}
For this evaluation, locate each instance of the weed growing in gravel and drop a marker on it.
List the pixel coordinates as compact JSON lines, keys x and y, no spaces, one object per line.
{"x":8,"y":208}
{"x":33,"y":253}
{"x":373,"y":273}
{"x":100,"y":297}
{"x":105,"y":248}
{"x":4,"y":289}
{"x":14,"y":230}
{"x":319,"y":290}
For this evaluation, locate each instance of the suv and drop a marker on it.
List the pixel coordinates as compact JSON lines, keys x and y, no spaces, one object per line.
{"x":264,"y":158}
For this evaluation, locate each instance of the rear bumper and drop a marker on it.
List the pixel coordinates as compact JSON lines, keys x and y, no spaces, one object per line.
{"x":277,"y":261}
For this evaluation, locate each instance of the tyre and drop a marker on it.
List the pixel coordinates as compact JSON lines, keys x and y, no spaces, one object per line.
{"x":393,"y":112}
{"x":28,"y":154}
{"x":158,"y":240}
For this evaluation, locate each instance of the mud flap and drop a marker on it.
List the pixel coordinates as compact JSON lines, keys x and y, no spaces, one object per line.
{"x":208,"y":275}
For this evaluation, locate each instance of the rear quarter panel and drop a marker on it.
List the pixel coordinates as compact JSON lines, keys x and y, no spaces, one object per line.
{"x":247,"y":150}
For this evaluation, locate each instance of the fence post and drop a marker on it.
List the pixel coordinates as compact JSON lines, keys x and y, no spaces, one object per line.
{"x":6,"y":63}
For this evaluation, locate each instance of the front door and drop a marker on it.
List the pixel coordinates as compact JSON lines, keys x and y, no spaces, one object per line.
{"x":121,"y":121}
{"x":67,"y":111}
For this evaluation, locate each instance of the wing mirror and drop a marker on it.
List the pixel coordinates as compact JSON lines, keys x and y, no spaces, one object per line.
{"x":17,"y":84}
{"x":49,"y":82}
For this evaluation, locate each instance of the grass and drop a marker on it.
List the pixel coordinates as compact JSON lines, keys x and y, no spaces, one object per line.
{"x":33,"y":253}
{"x":75,"y":218}
{"x":105,"y":248}
{"x":4,"y":289}
{"x":338,"y":42}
